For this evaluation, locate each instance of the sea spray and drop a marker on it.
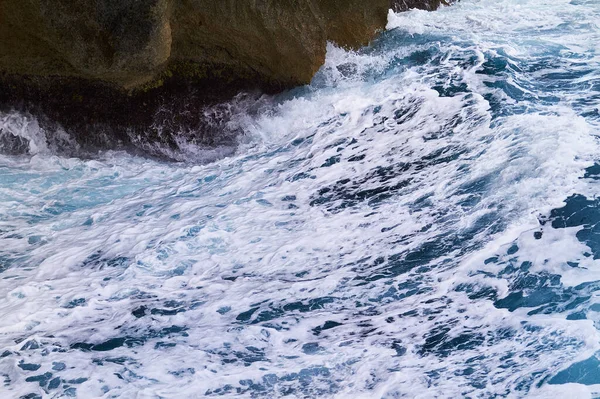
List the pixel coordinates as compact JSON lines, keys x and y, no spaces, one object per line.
{"x":418,"y":222}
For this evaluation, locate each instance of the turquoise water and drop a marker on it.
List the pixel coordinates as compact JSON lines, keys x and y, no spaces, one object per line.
{"x":420,"y":221}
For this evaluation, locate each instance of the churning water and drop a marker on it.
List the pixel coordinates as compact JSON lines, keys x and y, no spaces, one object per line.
{"x":421,"y":221}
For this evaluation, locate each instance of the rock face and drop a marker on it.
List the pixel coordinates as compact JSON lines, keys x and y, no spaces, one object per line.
{"x":93,"y":66}
{"x":128,"y":43}
{"x":123,"y":42}
{"x":131,"y":42}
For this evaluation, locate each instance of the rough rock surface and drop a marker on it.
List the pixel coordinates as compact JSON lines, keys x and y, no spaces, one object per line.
{"x":131,"y":42}
{"x":109,"y":67}
{"x":108,"y":40}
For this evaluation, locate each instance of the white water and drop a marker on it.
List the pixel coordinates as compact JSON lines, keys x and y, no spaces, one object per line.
{"x":344,"y":250}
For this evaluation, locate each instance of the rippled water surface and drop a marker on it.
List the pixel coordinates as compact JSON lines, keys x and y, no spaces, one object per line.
{"x":421,"y":221}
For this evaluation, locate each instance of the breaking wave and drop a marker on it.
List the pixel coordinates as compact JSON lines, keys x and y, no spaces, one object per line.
{"x":420,"y":221}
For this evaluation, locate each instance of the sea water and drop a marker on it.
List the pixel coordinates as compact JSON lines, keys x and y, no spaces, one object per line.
{"x":421,"y":221}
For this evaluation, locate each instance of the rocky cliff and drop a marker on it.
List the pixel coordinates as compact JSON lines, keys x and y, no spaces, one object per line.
{"x":82,"y":62}
{"x":129,"y":43}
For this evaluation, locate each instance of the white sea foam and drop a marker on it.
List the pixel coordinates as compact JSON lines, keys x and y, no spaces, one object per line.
{"x":338,"y":252}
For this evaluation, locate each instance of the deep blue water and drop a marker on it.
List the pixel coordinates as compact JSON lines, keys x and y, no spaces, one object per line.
{"x":420,"y":221}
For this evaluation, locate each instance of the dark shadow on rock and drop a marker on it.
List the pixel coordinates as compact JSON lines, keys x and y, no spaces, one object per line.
{"x":152,"y":122}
